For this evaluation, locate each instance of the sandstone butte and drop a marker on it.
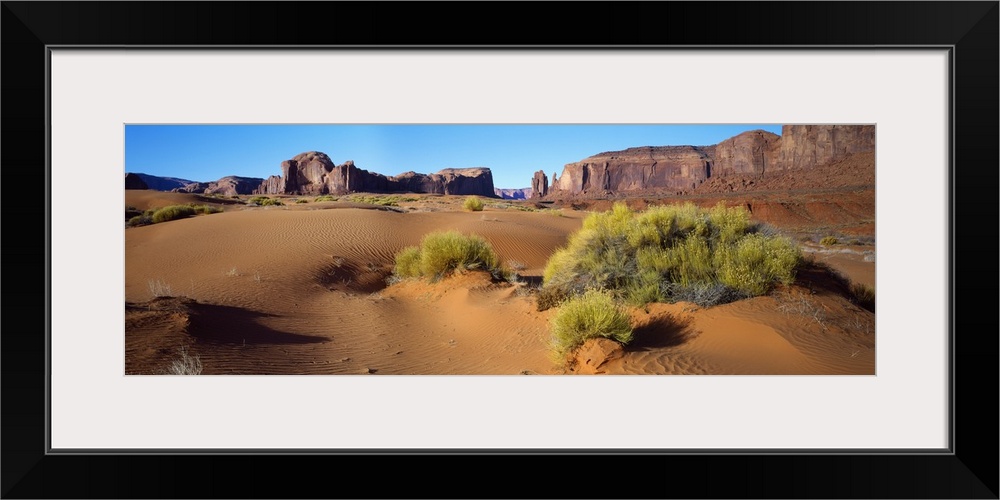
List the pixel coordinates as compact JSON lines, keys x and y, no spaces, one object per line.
{"x":226,"y":186}
{"x":513,"y":194}
{"x":683,"y":168}
{"x":314,"y":173}
{"x":133,"y":181}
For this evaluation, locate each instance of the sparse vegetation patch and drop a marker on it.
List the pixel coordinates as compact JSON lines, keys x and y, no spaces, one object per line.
{"x":441,"y":253}
{"x":159,"y":288}
{"x":380,"y":200}
{"x":185,"y":364}
{"x":511,"y":206}
{"x":170,"y":213}
{"x":473,"y":204}
{"x":590,"y":315}
{"x":672,"y":253}
{"x":264,"y":201}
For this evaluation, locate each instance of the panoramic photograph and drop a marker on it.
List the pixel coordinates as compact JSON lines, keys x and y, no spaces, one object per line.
{"x":500,"y":249}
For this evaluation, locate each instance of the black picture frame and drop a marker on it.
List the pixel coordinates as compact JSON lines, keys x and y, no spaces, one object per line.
{"x":970,"y":470}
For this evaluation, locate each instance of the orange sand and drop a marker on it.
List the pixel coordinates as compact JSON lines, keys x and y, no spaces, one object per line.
{"x":301,"y":289}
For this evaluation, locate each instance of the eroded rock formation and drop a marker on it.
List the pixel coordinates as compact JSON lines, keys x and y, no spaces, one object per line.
{"x":478,"y":181}
{"x":636,"y":169}
{"x":513,"y":194}
{"x":753,"y":155}
{"x":233,"y":185}
{"x":226,"y":186}
{"x":540,"y":184}
{"x":807,"y":146}
{"x":751,"y":152}
{"x":133,"y":181}
{"x":314,"y":173}
{"x":158,"y":183}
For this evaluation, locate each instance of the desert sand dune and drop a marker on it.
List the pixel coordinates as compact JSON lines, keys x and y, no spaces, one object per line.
{"x":302,"y":289}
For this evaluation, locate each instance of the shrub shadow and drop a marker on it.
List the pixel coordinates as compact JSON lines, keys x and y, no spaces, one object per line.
{"x":532,"y":281}
{"x":660,"y":332}
{"x":821,"y":277}
{"x":234,"y":325}
{"x":351,"y":276}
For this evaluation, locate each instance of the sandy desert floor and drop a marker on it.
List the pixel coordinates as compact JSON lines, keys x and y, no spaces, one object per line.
{"x":301,"y":289}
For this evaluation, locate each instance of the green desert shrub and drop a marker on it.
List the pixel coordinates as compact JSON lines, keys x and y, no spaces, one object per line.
{"x":264,"y":201}
{"x":828,"y":241}
{"x":673,"y":252}
{"x":172,"y":212}
{"x":380,"y":200}
{"x":473,"y":204}
{"x":440,"y":253}
{"x":408,"y":263}
{"x":753,"y":264}
{"x":301,"y":200}
{"x":139,"y":220}
{"x":590,"y":315}
{"x":325,"y":197}
{"x":206,"y":209}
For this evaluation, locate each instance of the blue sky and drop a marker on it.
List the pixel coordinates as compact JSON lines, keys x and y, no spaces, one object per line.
{"x":512,"y":152}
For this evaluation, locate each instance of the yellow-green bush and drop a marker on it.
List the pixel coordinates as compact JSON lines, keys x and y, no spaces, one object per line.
{"x":264,"y":201}
{"x":144,"y":219}
{"x":828,"y":241}
{"x":670,"y":253}
{"x":730,"y":222}
{"x":473,"y":204}
{"x":172,"y":212}
{"x":755,"y":263}
{"x":408,"y":263}
{"x":205,"y":209}
{"x":591,"y":315}
{"x":443,"y":252}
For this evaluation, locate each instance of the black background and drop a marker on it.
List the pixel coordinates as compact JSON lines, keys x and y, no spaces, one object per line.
{"x":971,"y":472}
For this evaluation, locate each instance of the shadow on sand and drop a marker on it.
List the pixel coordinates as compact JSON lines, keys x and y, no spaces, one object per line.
{"x":234,"y":325}
{"x":820,"y":277}
{"x":345,"y":275}
{"x":660,"y":332}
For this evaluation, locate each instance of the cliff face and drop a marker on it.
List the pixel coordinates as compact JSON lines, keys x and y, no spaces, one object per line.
{"x":751,"y":152}
{"x":636,"y":169}
{"x":158,"y":183}
{"x":807,"y":146}
{"x":683,"y":168}
{"x":133,"y":181}
{"x":191,"y":187}
{"x":313,"y":173}
{"x":478,"y":181}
